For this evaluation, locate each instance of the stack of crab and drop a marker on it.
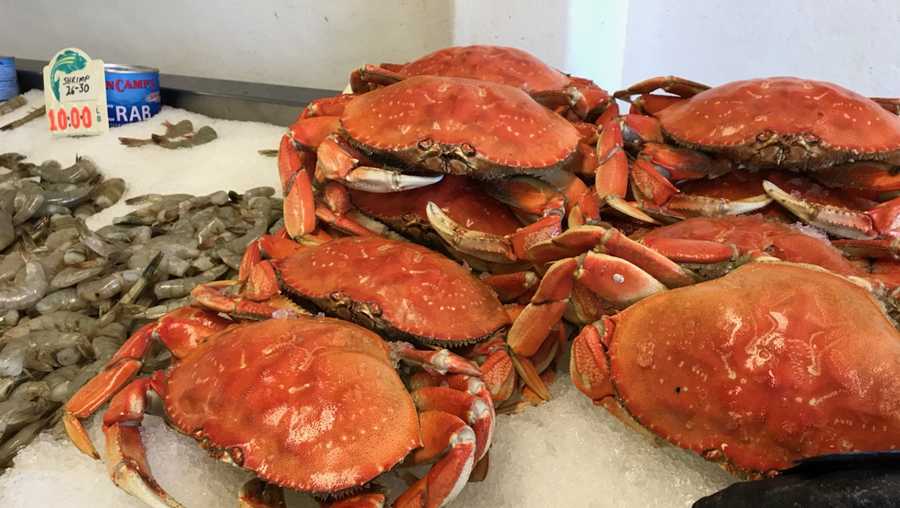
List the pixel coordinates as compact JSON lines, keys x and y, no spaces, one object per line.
{"x":480,"y":202}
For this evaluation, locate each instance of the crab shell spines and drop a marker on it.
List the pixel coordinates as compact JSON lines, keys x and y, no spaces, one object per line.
{"x":787,"y":122}
{"x":771,"y":363}
{"x":403,"y":290}
{"x":313,"y":404}
{"x":459,"y":126}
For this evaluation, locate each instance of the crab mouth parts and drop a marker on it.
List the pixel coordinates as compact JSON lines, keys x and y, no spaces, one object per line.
{"x":325,"y":497}
{"x":369,"y":315}
{"x":429,"y":157}
{"x":802,"y":151}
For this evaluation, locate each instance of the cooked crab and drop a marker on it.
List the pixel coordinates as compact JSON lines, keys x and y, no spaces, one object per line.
{"x":400,"y":289}
{"x":821,"y":129}
{"x":769,"y":364}
{"x":312,"y":404}
{"x":412,"y":133}
{"x":508,"y":66}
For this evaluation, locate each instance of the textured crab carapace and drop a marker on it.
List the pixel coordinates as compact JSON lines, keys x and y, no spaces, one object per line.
{"x":402,"y":289}
{"x":771,"y":363}
{"x":409,"y":134}
{"x":498,"y":64}
{"x":312,"y":404}
{"x":834,"y":134}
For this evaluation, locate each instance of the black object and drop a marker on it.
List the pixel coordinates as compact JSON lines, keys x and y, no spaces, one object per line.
{"x":849,"y":480}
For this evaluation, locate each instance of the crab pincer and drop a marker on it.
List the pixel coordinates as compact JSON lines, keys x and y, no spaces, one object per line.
{"x":322,"y":409}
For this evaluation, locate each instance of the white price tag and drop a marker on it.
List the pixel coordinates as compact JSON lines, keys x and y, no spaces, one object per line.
{"x":75,"y":94}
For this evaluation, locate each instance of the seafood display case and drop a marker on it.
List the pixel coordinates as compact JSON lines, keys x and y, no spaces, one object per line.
{"x":397,"y":299}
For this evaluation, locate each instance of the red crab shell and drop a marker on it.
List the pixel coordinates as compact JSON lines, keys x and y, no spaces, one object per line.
{"x":769,"y":364}
{"x":783,"y":121}
{"x":313,"y":404}
{"x":754,"y":233}
{"x":460,"y":198}
{"x":459,"y":126}
{"x":368,"y":280}
{"x":509,"y":66}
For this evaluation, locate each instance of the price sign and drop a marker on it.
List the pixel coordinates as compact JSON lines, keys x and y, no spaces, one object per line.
{"x":75,"y":94}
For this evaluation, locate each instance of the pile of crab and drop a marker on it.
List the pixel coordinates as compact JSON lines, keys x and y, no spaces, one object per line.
{"x":726,"y":257}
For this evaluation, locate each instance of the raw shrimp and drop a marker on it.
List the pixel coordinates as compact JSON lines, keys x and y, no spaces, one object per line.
{"x":109,"y":192}
{"x":81,"y":272}
{"x":108,"y":286}
{"x":83,"y":170}
{"x":177,"y":288}
{"x":33,"y":288}
{"x":65,"y":299}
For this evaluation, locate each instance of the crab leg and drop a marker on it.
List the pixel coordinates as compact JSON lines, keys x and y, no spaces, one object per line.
{"x":328,"y":106}
{"x":648,"y":104}
{"x":447,"y":477}
{"x":441,"y":361}
{"x":366,"y":77}
{"x":653,"y":172}
{"x":628,"y":273}
{"x":589,"y":364}
{"x":466,"y":396}
{"x":295,"y":166}
{"x":510,"y":286}
{"x":680,"y":87}
{"x":878,"y":249}
{"x":180,"y":331}
{"x":880,"y":221}
{"x":222,"y":296}
{"x":611,"y":174}
{"x":877,"y":178}
{"x":383,"y":181}
{"x":487,"y":246}
{"x":126,"y":457}
{"x":308,"y":133}
{"x":529,"y":195}
{"x":118,"y":372}
{"x":339,"y":161}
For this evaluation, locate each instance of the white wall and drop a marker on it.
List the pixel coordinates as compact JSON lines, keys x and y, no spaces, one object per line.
{"x":615,"y":42}
{"x":850,"y":42}
{"x":308,"y":42}
{"x":583,"y":37}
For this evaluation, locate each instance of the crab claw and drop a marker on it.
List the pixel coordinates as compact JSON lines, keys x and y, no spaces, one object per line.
{"x":486,"y":246}
{"x":383,"y":181}
{"x":441,"y":361}
{"x":299,"y":204}
{"x":673,"y":84}
{"x":588,"y":363}
{"x":688,"y":205}
{"x":837,"y":220}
